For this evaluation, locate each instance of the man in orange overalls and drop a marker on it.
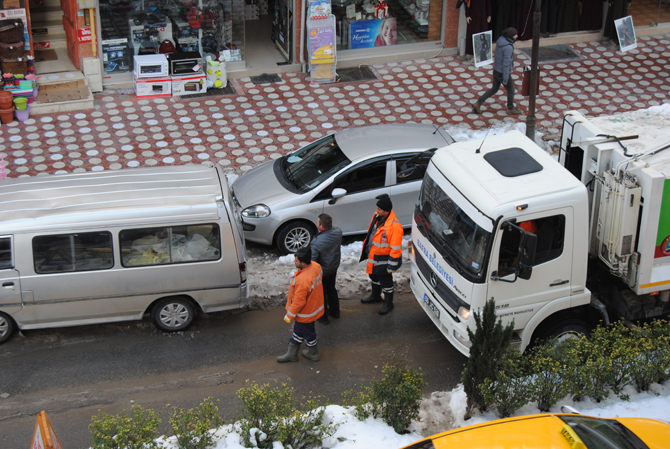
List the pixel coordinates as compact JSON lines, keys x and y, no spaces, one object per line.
{"x":383,"y":250}
{"x":304,"y":305}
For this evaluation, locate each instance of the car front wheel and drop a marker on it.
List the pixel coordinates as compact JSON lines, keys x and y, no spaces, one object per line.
{"x":293,"y":236}
{"x":173,"y":314}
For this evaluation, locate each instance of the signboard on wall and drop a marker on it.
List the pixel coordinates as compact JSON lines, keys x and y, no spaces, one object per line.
{"x":373,"y":33}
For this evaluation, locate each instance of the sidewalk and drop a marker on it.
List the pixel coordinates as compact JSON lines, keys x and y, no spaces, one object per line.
{"x":266,"y":121}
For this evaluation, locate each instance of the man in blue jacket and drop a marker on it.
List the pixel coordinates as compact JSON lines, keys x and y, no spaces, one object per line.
{"x":326,"y":251}
{"x":503,"y":66}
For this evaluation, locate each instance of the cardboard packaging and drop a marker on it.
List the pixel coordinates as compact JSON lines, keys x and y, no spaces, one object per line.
{"x":153,"y":87}
{"x":189,"y":85}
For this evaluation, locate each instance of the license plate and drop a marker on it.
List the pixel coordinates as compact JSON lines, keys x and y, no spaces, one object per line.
{"x":431,"y":306}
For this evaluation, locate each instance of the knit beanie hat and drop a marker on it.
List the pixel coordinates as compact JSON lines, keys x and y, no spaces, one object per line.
{"x":384,"y":203}
{"x":304,"y":254}
{"x":509,"y":33}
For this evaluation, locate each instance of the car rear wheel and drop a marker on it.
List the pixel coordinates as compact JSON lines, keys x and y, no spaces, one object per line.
{"x":6,"y":327}
{"x":293,"y":236}
{"x":173,"y":314}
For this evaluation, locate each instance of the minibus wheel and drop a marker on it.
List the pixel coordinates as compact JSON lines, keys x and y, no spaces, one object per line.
{"x":6,"y":327}
{"x":173,"y":314}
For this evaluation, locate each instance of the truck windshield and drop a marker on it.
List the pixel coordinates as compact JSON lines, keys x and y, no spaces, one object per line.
{"x":458,"y":238}
{"x":312,"y":164}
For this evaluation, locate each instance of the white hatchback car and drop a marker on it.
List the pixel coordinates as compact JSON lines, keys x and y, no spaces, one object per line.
{"x":341,"y":175}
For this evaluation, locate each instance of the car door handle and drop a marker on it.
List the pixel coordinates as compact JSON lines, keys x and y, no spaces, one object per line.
{"x":8,"y":284}
{"x":554,"y":284}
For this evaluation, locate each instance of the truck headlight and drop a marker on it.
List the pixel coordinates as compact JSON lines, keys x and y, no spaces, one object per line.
{"x":463,"y":313}
{"x":256,"y":211}
{"x":462,"y":340}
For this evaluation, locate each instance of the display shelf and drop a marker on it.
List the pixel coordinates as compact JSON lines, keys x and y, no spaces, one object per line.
{"x":415,"y":13}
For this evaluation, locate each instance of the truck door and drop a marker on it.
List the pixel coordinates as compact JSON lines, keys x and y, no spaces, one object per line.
{"x":552,"y":268}
{"x":10,"y":286}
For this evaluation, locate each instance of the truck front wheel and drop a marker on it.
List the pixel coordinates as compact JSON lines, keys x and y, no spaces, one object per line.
{"x":566,"y":329}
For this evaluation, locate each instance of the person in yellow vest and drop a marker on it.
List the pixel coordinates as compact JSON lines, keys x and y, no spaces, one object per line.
{"x":304,"y":306}
{"x":383,"y":250}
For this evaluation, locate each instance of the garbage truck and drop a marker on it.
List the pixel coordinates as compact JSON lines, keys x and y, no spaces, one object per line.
{"x":560,"y":244}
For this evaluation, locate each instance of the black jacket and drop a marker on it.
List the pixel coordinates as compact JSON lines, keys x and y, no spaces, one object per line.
{"x":326,"y":249}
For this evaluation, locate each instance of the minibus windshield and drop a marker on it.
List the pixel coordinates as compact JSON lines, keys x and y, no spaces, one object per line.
{"x":458,"y":238}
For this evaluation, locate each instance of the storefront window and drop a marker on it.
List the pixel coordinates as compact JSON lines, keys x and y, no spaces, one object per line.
{"x":364,"y":24}
{"x":135,"y":27}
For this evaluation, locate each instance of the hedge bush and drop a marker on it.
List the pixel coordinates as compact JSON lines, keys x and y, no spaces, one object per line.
{"x":193,"y":427}
{"x":396,"y":398}
{"x":273,"y":414}
{"x":136,"y":430}
{"x":614,"y":357}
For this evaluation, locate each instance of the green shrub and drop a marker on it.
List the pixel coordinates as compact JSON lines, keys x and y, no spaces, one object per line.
{"x":489,"y":343}
{"x":396,"y":398}
{"x":273,"y":414}
{"x":192,"y":427}
{"x":512,"y":388}
{"x":123,"y":431}
{"x":549,"y":374}
{"x":652,"y":359}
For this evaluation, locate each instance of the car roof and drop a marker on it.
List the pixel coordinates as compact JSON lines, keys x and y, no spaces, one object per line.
{"x":138,"y":195}
{"x":365,"y":141}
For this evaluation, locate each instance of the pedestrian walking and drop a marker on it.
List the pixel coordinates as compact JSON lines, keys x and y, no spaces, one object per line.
{"x":503,"y":65}
{"x":383,"y":250}
{"x":326,"y":250}
{"x":304,"y":306}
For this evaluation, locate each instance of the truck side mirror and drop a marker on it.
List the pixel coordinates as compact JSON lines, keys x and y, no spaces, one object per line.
{"x":527,"y":255}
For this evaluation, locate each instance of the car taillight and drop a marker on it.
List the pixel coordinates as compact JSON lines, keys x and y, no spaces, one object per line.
{"x":243,"y":272}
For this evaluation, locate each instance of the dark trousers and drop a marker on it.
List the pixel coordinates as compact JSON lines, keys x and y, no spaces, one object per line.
{"x":331,"y":299}
{"x":303,"y":332}
{"x":384,"y":280}
{"x":497,"y":81}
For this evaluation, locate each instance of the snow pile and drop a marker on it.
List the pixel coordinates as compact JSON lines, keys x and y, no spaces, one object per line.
{"x":269,"y":275}
{"x":444,"y":411}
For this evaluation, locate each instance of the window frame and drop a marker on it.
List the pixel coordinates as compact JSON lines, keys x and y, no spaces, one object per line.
{"x":73,"y":252}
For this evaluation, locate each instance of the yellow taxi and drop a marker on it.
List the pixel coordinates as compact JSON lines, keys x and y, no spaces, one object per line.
{"x":555,"y":431}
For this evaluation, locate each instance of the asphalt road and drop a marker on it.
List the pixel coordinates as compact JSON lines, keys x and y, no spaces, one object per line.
{"x":75,"y":373}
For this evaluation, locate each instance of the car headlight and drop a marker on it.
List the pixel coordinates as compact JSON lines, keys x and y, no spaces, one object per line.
{"x":256,"y":211}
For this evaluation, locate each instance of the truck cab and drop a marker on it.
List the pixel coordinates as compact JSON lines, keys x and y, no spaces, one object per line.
{"x":498,"y":218}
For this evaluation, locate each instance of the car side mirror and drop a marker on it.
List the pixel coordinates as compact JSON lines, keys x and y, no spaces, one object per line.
{"x":336,"y":194}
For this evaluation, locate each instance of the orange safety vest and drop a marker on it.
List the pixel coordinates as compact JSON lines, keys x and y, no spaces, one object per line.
{"x":386,"y":249}
{"x":305,"y":295}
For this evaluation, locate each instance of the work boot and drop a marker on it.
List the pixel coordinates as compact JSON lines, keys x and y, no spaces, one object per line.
{"x":388,"y":304}
{"x":291,"y":355}
{"x":312,"y":353}
{"x":375,"y":296}
{"x":514,"y":111}
{"x":477,"y":107}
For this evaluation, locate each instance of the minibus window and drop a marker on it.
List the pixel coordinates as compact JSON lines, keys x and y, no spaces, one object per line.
{"x":86,"y":251}
{"x":5,"y":253}
{"x":178,"y":244}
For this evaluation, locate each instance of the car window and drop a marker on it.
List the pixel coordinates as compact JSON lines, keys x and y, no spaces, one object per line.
{"x":86,"y":251}
{"x":371,"y":175}
{"x":420,"y":164}
{"x":5,"y":253}
{"x":603,"y":433}
{"x":169,"y":245}
{"x":312,"y":164}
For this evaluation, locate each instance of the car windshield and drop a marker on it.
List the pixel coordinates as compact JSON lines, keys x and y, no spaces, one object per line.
{"x":458,"y":238}
{"x":308,"y":167}
{"x":603,"y":433}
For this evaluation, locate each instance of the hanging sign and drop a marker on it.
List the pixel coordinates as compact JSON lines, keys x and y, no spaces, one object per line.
{"x":44,"y":436}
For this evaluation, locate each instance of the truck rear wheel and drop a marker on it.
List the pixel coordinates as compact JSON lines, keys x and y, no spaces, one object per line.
{"x":566,"y":329}
{"x":173,"y":314}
